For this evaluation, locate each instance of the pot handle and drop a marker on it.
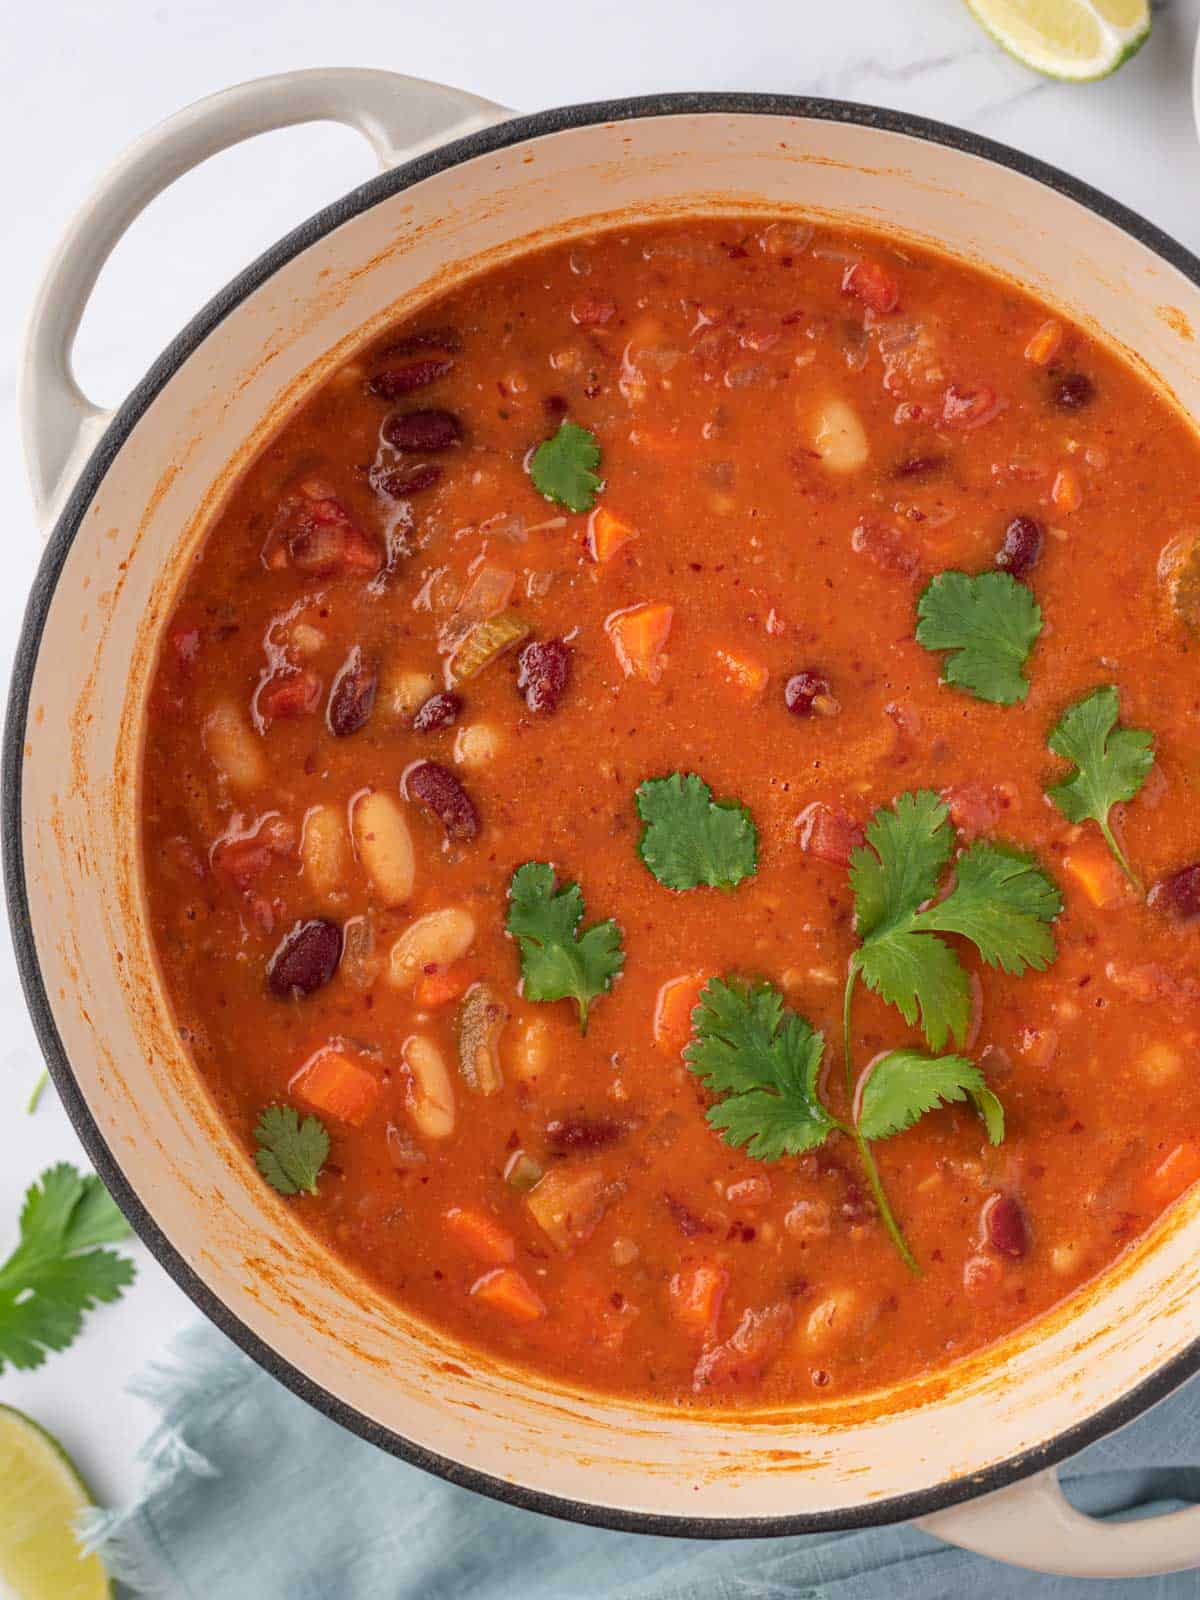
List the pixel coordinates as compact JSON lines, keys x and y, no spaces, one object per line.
{"x":399,"y":117}
{"x":1033,"y":1524}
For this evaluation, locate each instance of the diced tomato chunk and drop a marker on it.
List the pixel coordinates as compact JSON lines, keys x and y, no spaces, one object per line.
{"x":444,"y":984}
{"x":334,"y":1085}
{"x":317,"y":535}
{"x":481,"y":1235}
{"x":745,"y":1355}
{"x":242,"y":862}
{"x":677,"y":999}
{"x":289,"y":694}
{"x":873,"y":285}
{"x":507,"y":1290}
{"x":744,"y":673}
{"x":830,"y":835}
{"x":589,"y":313}
{"x":970,"y":408}
{"x":696,"y":1297}
{"x":975,"y":808}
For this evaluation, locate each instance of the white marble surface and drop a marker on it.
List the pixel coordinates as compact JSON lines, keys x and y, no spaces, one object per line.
{"x":79,"y":81}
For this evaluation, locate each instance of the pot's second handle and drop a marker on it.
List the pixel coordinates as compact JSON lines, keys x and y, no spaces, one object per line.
{"x":1033,"y":1524}
{"x":399,"y":116}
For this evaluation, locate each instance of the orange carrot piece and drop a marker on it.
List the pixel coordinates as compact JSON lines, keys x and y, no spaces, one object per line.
{"x":1178,"y":1171}
{"x":607,"y":534}
{"x":444,"y":984}
{"x":507,"y":1290}
{"x":639,"y":637}
{"x":1096,"y":873}
{"x":1043,"y":347}
{"x":481,"y":1235}
{"x":1066,"y":491}
{"x":677,"y":999}
{"x":696,"y":1296}
{"x":744,"y":673}
{"x":337,"y":1087}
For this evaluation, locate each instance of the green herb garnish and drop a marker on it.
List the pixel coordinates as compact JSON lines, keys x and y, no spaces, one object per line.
{"x":1111,"y":764}
{"x":290,"y":1153}
{"x":690,"y":839}
{"x":563,"y":468}
{"x":558,"y":962}
{"x":57,"y":1273}
{"x":989,"y":624}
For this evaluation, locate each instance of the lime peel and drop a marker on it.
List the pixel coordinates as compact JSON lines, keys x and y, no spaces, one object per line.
{"x":43,"y":1495}
{"x":1076,"y":40}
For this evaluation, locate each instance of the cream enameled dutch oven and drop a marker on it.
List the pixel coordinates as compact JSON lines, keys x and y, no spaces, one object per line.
{"x":129,"y":494}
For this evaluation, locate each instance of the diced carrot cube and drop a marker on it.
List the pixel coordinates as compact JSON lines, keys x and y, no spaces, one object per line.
{"x":677,"y":999}
{"x":607,"y":534}
{"x":481,"y":1235}
{"x":1043,"y":347}
{"x":1096,"y":873}
{"x":639,"y":637}
{"x":1178,"y":1171}
{"x":745,"y":673}
{"x":444,"y":984}
{"x":1066,"y":491}
{"x":507,"y":1290}
{"x":696,"y":1296}
{"x":337,"y":1087}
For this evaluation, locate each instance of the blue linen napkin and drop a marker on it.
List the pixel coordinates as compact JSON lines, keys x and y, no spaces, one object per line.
{"x":251,"y":1495}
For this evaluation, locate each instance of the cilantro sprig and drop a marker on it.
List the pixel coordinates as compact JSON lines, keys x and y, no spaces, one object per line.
{"x":989,"y":624}
{"x":57,"y":1272}
{"x":563,"y":468}
{"x":290,"y":1153}
{"x":1111,"y":764}
{"x":558,"y":962}
{"x":690,"y":839}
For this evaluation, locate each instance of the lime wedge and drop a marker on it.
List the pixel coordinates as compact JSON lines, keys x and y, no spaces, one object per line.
{"x":40,"y":1497}
{"x":1077,"y":39}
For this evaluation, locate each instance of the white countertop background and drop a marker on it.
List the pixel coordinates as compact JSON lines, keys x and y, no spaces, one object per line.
{"x":80,"y":81}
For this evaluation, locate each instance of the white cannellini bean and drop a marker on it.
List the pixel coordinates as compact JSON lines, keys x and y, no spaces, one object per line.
{"x":839,"y":437}
{"x":404,"y":691}
{"x":437,"y":939}
{"x":233,"y":747}
{"x":325,"y":850}
{"x":385,"y":846}
{"x":843,"y":1314}
{"x":527,"y":1049}
{"x":430,"y":1101}
{"x":477,"y":744}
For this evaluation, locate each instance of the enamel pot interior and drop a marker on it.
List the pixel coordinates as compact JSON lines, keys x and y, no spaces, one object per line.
{"x":106,"y":585}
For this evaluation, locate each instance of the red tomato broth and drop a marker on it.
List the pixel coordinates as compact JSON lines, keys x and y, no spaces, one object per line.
{"x":700,"y":384}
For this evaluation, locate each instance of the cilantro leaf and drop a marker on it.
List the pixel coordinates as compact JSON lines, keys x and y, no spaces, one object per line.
{"x":765,"y":1060}
{"x":1111,"y":763}
{"x":557,"y":961}
{"x":691,"y":839}
{"x":290,"y":1153}
{"x":563,"y":468}
{"x":989,"y":624}
{"x":905,"y":1084}
{"x":56,"y":1273}
{"x":1000,"y":901}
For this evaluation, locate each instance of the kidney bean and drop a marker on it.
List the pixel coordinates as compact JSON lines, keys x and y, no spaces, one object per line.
{"x":306,"y":959}
{"x":1005,"y":1227}
{"x":1073,"y":391}
{"x":352,"y":698}
{"x":1022,"y":547}
{"x":393,"y":382}
{"x":419,"y":431}
{"x":439,"y":711}
{"x":543,"y":670}
{"x":802,"y":689}
{"x":289,"y":694}
{"x":1178,"y":895}
{"x":436,"y":788}
{"x":400,"y":482}
{"x":425,"y":339}
{"x":555,"y":406}
{"x":567,"y":1135}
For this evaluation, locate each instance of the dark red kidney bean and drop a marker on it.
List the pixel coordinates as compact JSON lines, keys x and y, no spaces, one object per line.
{"x":427,"y":339}
{"x":543,"y":671}
{"x":393,"y":382}
{"x":399,"y":482}
{"x":422,"y":430}
{"x":352,"y":698}
{"x":306,"y":959}
{"x":436,"y":788}
{"x":801,"y":689}
{"x":918,"y":466}
{"x":439,"y":711}
{"x":1178,"y":895}
{"x":555,"y":406}
{"x":1073,"y":391}
{"x":1004,"y":1226}
{"x":566,"y":1135}
{"x":1022,"y":547}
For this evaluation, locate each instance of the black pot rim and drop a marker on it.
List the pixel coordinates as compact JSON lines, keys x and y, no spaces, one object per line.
{"x":920,"y":1503}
